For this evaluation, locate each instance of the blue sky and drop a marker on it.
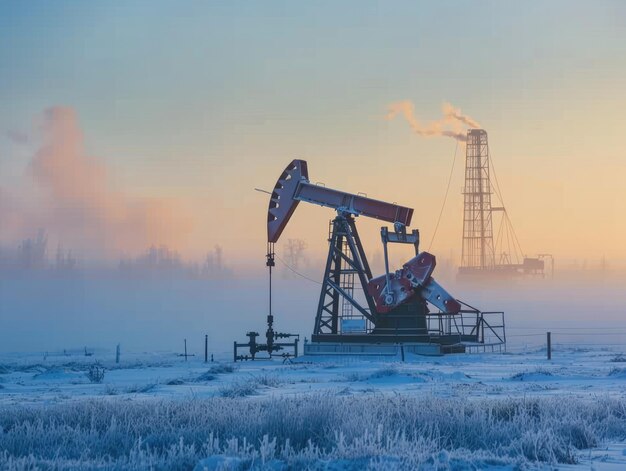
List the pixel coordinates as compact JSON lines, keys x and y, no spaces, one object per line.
{"x":202,"y":100}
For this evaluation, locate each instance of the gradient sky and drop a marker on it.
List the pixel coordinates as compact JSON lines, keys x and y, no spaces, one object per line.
{"x":200,"y":102}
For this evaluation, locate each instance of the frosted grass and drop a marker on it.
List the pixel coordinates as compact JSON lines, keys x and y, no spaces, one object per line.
{"x":307,"y":432}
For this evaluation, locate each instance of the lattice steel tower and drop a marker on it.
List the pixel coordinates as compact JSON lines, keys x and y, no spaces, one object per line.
{"x":478,"y":248}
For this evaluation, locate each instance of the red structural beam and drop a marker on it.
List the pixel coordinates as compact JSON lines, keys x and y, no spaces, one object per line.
{"x":353,"y":204}
{"x":293,"y":186}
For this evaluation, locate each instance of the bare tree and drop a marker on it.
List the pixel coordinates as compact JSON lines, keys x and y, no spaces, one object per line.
{"x":294,"y":254}
{"x":32,"y":253}
{"x":65,"y":261}
{"x":214,"y":264}
{"x":218,"y":258}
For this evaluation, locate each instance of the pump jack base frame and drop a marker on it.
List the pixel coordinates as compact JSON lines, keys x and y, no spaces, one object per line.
{"x":469,"y":331}
{"x":397,"y":350}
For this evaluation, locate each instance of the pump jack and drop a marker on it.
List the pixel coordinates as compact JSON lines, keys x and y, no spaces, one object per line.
{"x":396,"y":304}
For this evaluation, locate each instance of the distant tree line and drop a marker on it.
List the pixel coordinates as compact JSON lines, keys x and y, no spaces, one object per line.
{"x":31,"y":255}
{"x":162,"y":260}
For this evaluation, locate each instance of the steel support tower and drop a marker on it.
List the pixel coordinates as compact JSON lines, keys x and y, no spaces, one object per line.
{"x":478,"y":249}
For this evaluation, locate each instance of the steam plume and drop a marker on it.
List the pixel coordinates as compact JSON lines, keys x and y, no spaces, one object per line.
{"x":453,"y":124}
{"x":70,"y":195}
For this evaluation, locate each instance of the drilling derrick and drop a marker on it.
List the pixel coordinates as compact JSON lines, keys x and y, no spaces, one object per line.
{"x":478,"y":250}
{"x":481,"y":256}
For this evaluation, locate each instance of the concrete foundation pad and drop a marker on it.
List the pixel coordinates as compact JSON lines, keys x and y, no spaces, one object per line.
{"x":377,"y":350}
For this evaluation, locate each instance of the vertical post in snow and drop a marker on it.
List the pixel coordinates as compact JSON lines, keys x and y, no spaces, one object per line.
{"x":549,"y":339}
{"x":117,"y":353}
{"x":206,"y":348}
{"x":185,"y":349}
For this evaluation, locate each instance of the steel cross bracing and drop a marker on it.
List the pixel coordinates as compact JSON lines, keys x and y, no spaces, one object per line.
{"x":346,"y":258}
{"x":347,"y":284}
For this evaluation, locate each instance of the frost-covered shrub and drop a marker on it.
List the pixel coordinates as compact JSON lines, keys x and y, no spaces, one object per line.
{"x":531,"y":375}
{"x":95,"y":373}
{"x":378,"y":374}
{"x":222,"y":368}
{"x":545,"y":446}
{"x":211,"y":373}
{"x":239,"y":389}
{"x":353,"y":377}
{"x":579,"y":435}
{"x":206,"y":376}
{"x":141,"y":388}
{"x":175,"y":382}
{"x":384,"y":372}
{"x":618,"y":372}
{"x":268,"y":380}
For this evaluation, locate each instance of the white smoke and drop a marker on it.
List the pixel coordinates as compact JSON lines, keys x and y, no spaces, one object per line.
{"x":453,"y":124}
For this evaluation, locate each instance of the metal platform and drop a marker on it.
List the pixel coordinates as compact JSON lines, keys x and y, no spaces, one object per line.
{"x":470,"y":331}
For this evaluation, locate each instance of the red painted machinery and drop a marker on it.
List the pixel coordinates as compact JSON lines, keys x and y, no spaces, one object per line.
{"x":354,"y":306}
{"x":395,"y":307}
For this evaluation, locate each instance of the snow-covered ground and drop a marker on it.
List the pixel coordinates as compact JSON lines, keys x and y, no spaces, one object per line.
{"x":578,"y":373}
{"x":577,"y":377}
